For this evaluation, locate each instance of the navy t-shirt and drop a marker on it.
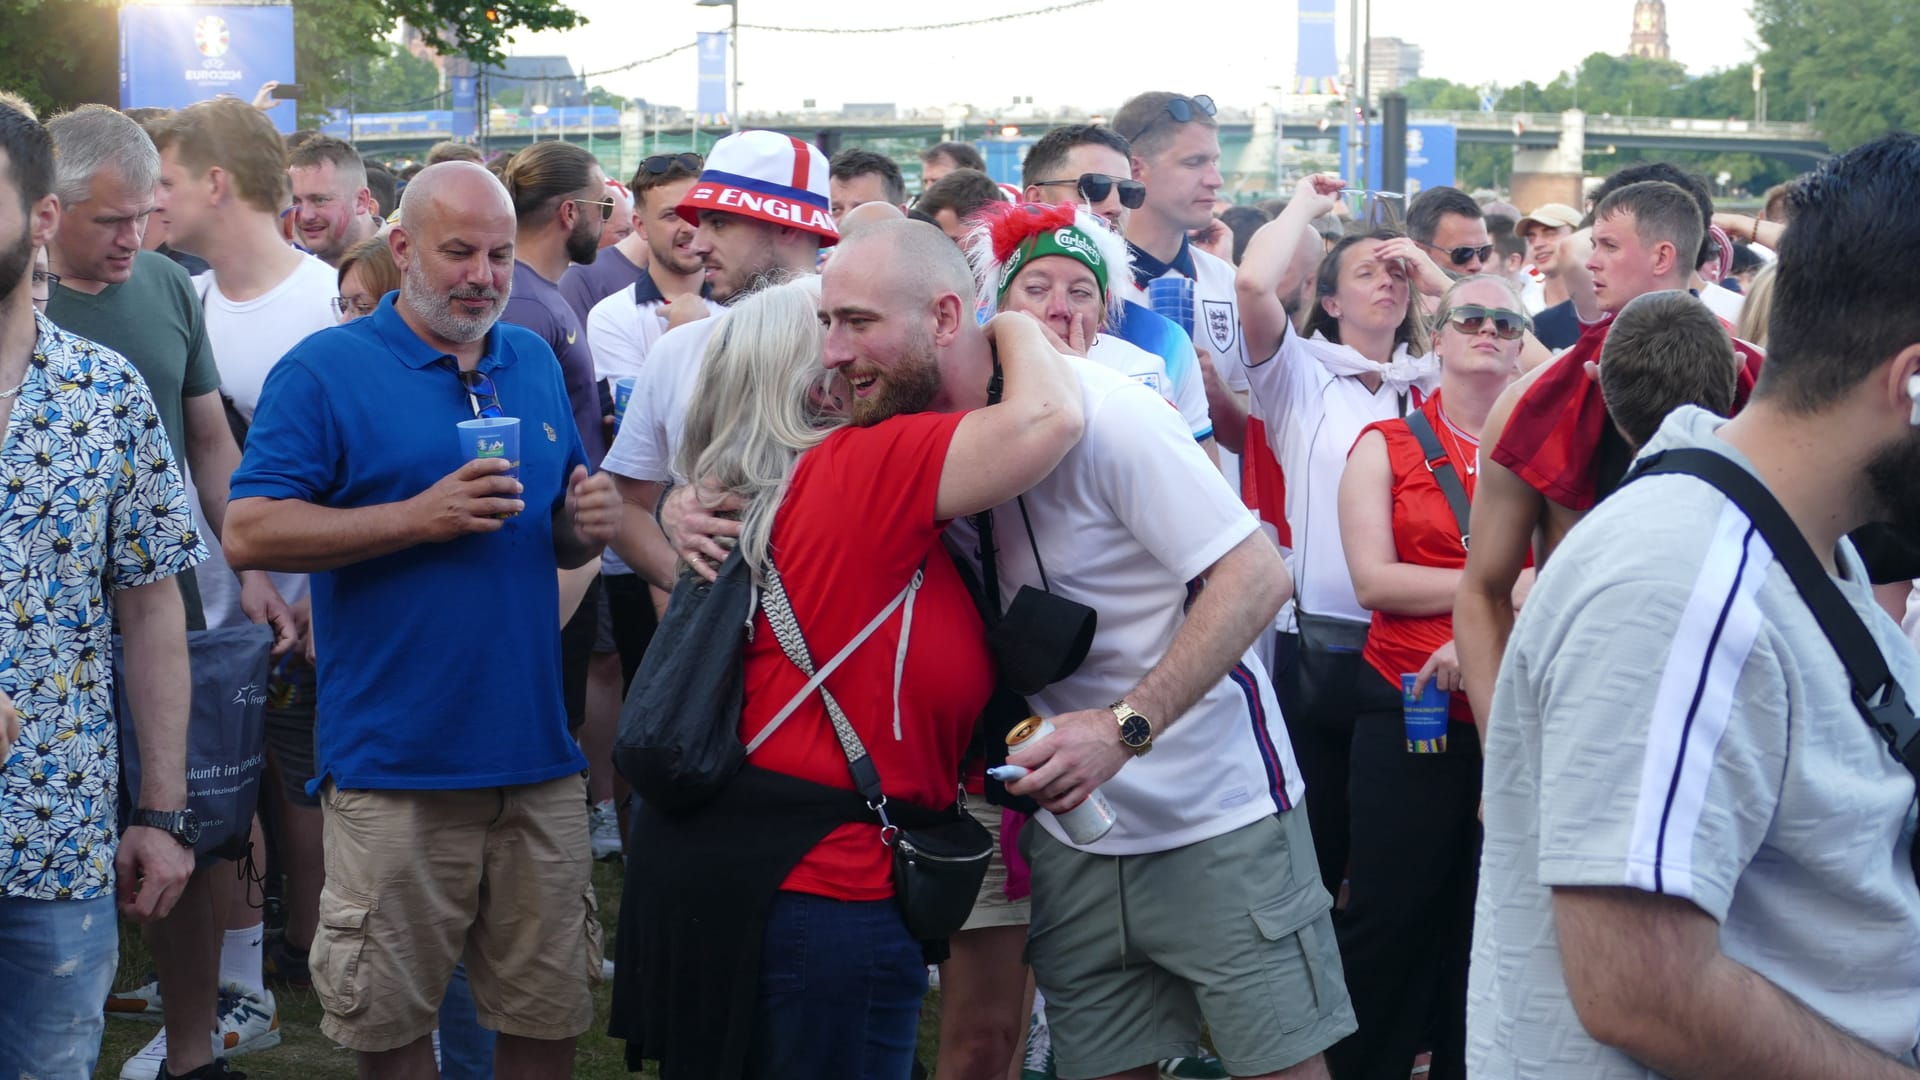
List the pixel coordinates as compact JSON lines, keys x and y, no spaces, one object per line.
{"x":1557,"y":327}
{"x":537,"y":305}
{"x":586,"y":284}
{"x":439,"y":664}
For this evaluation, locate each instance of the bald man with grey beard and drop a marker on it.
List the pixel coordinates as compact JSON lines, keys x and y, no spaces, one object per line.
{"x":455,"y":809}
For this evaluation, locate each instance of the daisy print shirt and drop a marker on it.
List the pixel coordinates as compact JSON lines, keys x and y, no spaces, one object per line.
{"x":90,"y":502}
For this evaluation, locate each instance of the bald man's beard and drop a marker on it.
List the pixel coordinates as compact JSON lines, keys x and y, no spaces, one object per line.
{"x":436,"y":309}
{"x":909,"y":386}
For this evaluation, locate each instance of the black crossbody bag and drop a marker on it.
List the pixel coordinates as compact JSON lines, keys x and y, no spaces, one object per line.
{"x":1876,"y":695}
{"x":937,"y":870}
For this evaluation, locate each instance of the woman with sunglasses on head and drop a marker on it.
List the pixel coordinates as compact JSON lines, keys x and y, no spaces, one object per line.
{"x":1414,"y":833}
{"x":1361,"y":359}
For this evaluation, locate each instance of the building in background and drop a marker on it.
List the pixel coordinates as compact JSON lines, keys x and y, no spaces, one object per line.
{"x":1649,"y":30}
{"x":1391,"y":64}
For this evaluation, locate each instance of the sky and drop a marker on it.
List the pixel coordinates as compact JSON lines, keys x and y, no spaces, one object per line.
{"x":1095,"y":56}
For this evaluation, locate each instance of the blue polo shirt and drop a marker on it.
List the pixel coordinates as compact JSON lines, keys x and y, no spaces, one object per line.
{"x":439,"y":665}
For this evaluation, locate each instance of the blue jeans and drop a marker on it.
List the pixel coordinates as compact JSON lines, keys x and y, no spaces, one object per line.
{"x":840,"y":990}
{"x":466,"y":1048}
{"x":57,"y":959}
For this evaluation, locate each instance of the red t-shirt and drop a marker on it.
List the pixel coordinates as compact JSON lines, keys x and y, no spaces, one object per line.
{"x":1424,"y":534}
{"x":858,"y":520}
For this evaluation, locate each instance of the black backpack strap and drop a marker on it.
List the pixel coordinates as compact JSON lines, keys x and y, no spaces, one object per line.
{"x":1443,"y":472}
{"x":1875,"y":693}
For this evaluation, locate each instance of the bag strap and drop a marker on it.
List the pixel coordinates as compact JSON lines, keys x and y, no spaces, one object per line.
{"x":786,"y":630}
{"x":988,"y":552}
{"x":1443,"y":472}
{"x":1875,"y":693}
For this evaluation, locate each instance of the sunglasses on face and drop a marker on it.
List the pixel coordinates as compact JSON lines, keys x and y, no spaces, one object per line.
{"x":660,"y":163}
{"x":1095,"y":187}
{"x":1472,"y":318}
{"x":605,"y":205}
{"x":482,"y":395}
{"x":1461,"y":256}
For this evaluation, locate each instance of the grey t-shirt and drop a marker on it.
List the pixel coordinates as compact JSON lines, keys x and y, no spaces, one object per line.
{"x":1670,"y":718}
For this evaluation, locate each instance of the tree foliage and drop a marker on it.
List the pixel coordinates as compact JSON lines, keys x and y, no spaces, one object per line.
{"x":394,"y":82}
{"x":61,"y":53}
{"x":1851,"y":66}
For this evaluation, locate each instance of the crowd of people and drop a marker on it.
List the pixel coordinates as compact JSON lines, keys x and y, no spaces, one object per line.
{"x":1349,"y":636}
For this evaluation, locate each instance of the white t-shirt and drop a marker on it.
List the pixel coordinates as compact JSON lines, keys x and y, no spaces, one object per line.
{"x":1133,"y":514}
{"x":649,"y":434}
{"x":248,"y":338}
{"x":1312,"y":418}
{"x":1723,"y":302}
{"x":1216,"y":328}
{"x":1911,"y":624}
{"x":1122,"y":356}
{"x":623,"y":327}
{"x":1671,"y":719}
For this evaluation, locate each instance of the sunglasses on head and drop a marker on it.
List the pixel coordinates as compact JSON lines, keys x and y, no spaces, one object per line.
{"x":1095,"y":187}
{"x":1471,"y":318}
{"x":1461,"y":256}
{"x":482,"y":395}
{"x":660,"y":163}
{"x":1184,"y":109}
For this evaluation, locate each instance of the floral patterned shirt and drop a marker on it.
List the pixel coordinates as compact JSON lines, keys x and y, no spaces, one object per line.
{"x":90,"y":502}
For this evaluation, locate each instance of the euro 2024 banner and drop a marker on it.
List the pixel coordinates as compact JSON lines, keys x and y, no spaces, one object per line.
{"x":172,"y":55}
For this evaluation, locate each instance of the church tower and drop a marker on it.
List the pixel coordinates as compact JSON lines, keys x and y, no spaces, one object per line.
{"x":1649,"y":30}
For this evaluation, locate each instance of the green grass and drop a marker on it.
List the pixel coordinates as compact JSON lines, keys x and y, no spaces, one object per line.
{"x":305,"y":1054}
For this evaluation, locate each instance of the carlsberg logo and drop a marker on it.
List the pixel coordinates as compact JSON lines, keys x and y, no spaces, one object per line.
{"x":1076,"y":241}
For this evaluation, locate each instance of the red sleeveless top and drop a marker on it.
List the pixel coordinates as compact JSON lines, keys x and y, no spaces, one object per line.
{"x":1424,"y":534}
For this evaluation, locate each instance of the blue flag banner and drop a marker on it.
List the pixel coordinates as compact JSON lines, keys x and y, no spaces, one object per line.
{"x":174,"y":55}
{"x":712,"y":102}
{"x":464,"y":118}
{"x":1317,"y":63}
{"x":1432,"y":154}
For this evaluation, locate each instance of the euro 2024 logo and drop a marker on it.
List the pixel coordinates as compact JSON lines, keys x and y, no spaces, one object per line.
{"x":210,"y":36}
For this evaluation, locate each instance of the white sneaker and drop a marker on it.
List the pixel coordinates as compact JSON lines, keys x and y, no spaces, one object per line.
{"x":145,"y":1065}
{"x":247,"y":1021}
{"x":140,"y":1003}
{"x":603,"y":827}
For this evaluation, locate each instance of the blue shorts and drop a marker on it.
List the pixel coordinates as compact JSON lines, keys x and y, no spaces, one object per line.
{"x":57,"y":959}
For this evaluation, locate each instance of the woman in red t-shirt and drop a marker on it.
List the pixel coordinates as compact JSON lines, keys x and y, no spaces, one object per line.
{"x":1414,"y":830}
{"x":824,"y":980}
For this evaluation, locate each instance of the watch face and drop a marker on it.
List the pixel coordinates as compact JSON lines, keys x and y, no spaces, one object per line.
{"x":1135,"y":731}
{"x":189,"y":828}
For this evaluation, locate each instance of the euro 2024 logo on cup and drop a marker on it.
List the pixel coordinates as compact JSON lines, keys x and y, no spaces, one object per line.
{"x":210,"y":36}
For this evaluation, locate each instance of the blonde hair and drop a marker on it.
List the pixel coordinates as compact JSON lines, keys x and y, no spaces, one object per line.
{"x":1758,"y":306}
{"x":238,"y":138}
{"x":758,"y":405}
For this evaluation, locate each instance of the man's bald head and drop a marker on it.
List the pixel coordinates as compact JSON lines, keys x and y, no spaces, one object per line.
{"x":454,"y":247}
{"x":460,"y":185}
{"x":871,"y":213}
{"x":917,"y":258}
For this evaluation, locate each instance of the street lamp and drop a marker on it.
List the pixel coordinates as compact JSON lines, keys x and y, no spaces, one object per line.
{"x":733,"y":46}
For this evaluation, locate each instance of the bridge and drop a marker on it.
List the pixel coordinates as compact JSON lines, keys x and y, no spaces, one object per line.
{"x":620,"y":138}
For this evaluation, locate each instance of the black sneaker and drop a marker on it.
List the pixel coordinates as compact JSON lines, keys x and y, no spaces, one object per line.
{"x":285,"y":967}
{"x":217,"y":1069}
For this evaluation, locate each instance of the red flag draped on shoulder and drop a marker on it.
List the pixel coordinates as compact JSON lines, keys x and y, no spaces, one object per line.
{"x":1552,"y":440}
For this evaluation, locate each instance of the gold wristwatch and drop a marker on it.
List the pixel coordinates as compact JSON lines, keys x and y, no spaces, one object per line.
{"x":1136,"y":731}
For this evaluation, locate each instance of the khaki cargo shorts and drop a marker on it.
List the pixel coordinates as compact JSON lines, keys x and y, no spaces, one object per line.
{"x":418,"y":880}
